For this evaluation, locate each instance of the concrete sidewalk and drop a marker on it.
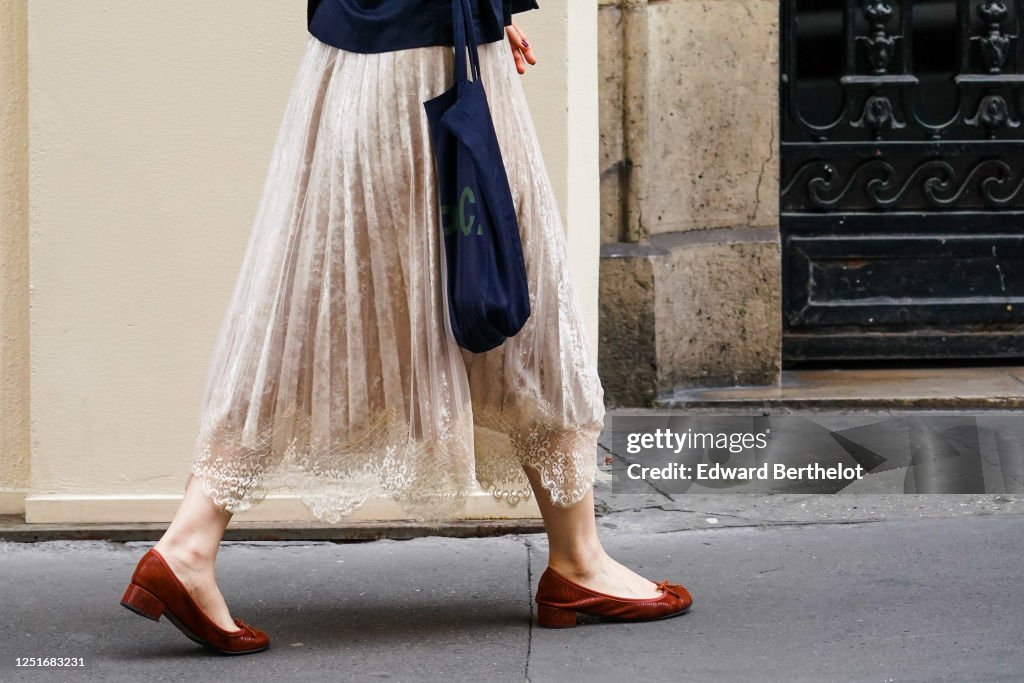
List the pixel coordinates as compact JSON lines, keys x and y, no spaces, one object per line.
{"x":866,"y":587}
{"x":912,"y":599}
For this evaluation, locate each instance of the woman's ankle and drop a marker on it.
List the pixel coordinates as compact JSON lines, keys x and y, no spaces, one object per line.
{"x":579,"y":563}
{"x":195,"y":557}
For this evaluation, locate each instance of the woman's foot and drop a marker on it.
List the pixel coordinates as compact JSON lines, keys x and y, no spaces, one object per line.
{"x":575,"y":551}
{"x":195,"y":570}
{"x":576,"y":554}
{"x":603,"y":574}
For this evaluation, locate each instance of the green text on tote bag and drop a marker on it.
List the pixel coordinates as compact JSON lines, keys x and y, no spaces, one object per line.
{"x":466,"y":220}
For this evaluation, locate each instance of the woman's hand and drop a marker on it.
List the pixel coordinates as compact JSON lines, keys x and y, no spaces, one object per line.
{"x":521,"y":49}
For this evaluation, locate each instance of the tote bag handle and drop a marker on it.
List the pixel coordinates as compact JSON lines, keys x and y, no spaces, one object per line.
{"x":465,"y":38}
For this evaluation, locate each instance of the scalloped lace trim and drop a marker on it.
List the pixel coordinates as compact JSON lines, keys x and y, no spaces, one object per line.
{"x":429,"y":478}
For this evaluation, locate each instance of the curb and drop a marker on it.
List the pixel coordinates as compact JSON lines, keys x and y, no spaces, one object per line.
{"x":14,"y":529}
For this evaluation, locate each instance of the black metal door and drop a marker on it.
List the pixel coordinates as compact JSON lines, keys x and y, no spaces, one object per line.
{"x":902,"y":188}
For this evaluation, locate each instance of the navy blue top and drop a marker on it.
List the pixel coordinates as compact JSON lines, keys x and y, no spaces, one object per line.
{"x":385,"y":25}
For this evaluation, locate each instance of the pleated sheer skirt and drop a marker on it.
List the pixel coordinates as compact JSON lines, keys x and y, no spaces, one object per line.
{"x":335,"y":376}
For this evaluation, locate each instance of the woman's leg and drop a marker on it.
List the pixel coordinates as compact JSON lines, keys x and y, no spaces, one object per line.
{"x":190,"y":547}
{"x":575,"y":551}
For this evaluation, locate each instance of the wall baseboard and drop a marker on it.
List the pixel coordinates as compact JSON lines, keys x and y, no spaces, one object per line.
{"x":71,"y":508}
{"x":12,"y":502}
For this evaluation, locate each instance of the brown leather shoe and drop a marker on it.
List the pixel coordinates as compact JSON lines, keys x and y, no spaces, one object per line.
{"x":559,"y":599}
{"x":156,"y":591}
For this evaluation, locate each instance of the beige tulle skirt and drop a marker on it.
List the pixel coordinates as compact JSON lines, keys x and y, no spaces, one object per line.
{"x":335,"y":376}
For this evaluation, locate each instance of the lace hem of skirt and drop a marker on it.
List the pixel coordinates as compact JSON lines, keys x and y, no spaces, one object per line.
{"x":430,"y":478}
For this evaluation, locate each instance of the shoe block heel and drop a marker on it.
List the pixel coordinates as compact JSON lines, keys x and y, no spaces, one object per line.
{"x":142,"y":602}
{"x":555,"y":617}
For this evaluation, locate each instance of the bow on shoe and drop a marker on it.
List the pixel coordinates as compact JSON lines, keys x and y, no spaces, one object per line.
{"x":667,"y":587}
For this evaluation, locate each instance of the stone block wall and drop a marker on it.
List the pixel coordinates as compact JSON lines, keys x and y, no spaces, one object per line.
{"x":690,"y":271}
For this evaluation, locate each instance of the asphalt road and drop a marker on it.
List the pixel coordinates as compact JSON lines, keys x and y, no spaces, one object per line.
{"x":913,"y":599}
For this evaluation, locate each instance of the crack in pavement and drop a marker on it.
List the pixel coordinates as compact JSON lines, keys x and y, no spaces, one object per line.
{"x":529,"y":600}
{"x":777,"y":525}
{"x":697,"y":512}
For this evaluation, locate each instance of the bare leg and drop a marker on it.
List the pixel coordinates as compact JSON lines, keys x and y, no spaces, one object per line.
{"x":190,"y":547}
{"x":575,"y":551}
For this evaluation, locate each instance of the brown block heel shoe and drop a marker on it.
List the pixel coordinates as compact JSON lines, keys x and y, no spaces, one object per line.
{"x":155,"y":591}
{"x":559,"y":599}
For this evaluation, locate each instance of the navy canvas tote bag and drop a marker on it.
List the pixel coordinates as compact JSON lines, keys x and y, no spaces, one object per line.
{"x":487,"y":293}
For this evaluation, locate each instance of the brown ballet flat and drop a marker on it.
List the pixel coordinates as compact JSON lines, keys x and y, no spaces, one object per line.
{"x":155,"y":591}
{"x":559,"y":599}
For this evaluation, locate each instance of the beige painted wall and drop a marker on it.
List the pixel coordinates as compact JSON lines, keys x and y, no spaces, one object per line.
{"x":564,"y":35}
{"x":151,"y":131}
{"x":14,"y":347}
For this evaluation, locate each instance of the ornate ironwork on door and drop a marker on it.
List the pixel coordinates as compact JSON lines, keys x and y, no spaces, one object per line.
{"x":902,"y":190}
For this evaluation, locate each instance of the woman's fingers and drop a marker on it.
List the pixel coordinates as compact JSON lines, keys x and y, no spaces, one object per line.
{"x":524,"y":44}
{"x":520,"y":64}
{"x":522,"y":51}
